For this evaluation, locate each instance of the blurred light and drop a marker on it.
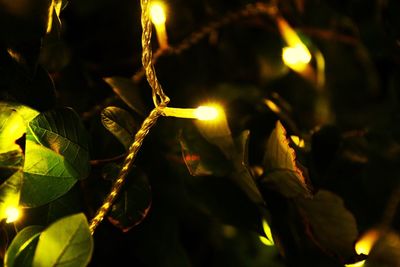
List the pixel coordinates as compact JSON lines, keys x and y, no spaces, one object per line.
{"x":268,"y":240}
{"x":357,"y":264}
{"x":296,"y":57}
{"x":203,"y":113}
{"x":158,"y":17}
{"x":157,"y":13}
{"x":206,"y":113}
{"x":297,"y":141}
{"x":367,"y":241}
{"x":272,"y":106}
{"x":364,"y":245}
{"x":12,"y":214}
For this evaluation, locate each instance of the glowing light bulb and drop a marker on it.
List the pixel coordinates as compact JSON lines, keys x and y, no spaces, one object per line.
{"x":268,"y":241}
{"x":12,"y":214}
{"x":272,"y":106}
{"x":364,"y":245}
{"x":357,"y":264}
{"x":158,"y":18}
{"x":296,"y":57}
{"x":297,"y":141}
{"x":157,"y":13}
{"x":206,"y":113}
{"x":366,"y":242}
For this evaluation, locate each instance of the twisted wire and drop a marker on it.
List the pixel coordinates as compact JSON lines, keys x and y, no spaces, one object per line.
{"x":160,"y":101}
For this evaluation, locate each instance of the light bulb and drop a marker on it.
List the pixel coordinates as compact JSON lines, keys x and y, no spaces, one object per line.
{"x":12,"y":214}
{"x":157,"y":13}
{"x":296,"y":57}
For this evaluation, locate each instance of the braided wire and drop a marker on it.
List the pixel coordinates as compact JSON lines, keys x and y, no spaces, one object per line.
{"x":160,"y":101}
{"x":126,"y":167}
{"x":147,"y":57}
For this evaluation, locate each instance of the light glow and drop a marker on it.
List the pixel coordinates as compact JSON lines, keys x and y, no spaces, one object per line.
{"x":268,"y":240}
{"x":272,"y":106}
{"x":297,"y":141}
{"x":357,"y":264}
{"x":296,"y":57}
{"x":157,"y":13}
{"x":367,"y":241}
{"x":158,"y":18}
{"x":206,"y":113}
{"x":203,"y":113}
{"x":12,"y":214}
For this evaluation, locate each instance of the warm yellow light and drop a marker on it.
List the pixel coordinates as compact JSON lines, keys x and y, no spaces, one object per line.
{"x":357,"y":264}
{"x":272,"y":106}
{"x":157,"y":13}
{"x":296,"y":57}
{"x":367,"y":241}
{"x":268,"y":241}
{"x":297,"y":141}
{"x":12,"y":214}
{"x":206,"y":113}
{"x":158,"y":17}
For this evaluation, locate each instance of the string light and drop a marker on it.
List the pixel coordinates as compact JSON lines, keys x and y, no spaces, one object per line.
{"x":364,"y":245}
{"x":272,"y":106}
{"x":204,"y":113}
{"x":297,"y":57}
{"x":12,"y":214}
{"x":158,"y":18}
{"x":296,"y":54}
{"x":268,"y":241}
{"x":297,"y":141}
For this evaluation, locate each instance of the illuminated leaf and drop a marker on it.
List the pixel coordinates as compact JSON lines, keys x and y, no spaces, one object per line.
{"x":133,"y":203}
{"x":330,"y":224}
{"x":12,"y":127}
{"x":128,"y":92}
{"x":62,"y":131}
{"x":10,"y":193}
{"x":385,"y":252}
{"x":120,"y":123}
{"x":20,"y":252}
{"x":281,"y":172}
{"x":219,"y":134}
{"x":47,"y":175}
{"x":66,"y":242}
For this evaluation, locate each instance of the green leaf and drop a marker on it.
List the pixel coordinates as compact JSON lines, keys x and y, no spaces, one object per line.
{"x":70,"y":203}
{"x":385,"y":252}
{"x":66,"y":242}
{"x":12,"y":127}
{"x":331,"y":225}
{"x":120,"y":123}
{"x":47,"y":175}
{"x":10,"y":192}
{"x":62,"y":131}
{"x":24,"y":241}
{"x":134,"y":201}
{"x":10,"y":162}
{"x":281,"y":171}
{"x":128,"y":92}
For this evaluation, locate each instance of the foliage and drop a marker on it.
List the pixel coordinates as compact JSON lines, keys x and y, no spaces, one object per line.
{"x":307,"y":160}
